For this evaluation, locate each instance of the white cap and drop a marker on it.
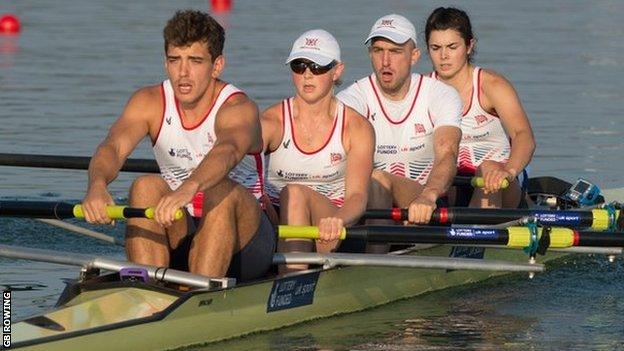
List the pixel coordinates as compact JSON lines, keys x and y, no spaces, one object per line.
{"x":316,"y":45}
{"x":393,"y":27}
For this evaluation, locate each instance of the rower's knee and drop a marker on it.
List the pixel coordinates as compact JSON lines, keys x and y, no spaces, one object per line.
{"x":147,"y":189}
{"x":226,"y":194}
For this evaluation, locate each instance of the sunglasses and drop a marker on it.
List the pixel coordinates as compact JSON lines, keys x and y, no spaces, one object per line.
{"x":300,"y":66}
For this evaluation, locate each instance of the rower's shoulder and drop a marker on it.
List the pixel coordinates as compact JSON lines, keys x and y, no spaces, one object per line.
{"x":237,"y":98}
{"x":148,"y":93}
{"x":354,"y":119}
{"x":492,"y":80}
{"x":239,"y":104}
{"x":146,"y":101}
{"x":273,"y":112}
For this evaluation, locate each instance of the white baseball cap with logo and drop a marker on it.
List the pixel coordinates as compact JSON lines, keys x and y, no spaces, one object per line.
{"x":393,"y":27}
{"x":316,"y":45}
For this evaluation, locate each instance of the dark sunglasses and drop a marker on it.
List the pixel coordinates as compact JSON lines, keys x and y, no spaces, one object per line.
{"x":299,"y":67}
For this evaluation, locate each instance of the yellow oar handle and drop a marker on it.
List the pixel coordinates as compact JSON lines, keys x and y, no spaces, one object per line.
{"x":149,"y":213}
{"x":479,"y":182}
{"x":519,"y":237}
{"x":123,"y":212}
{"x":303,"y":232}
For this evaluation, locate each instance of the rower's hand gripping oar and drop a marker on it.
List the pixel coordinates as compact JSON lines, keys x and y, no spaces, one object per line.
{"x":61,"y":210}
{"x":476,"y":182}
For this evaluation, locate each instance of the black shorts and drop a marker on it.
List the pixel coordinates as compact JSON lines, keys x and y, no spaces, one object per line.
{"x":251,"y":262}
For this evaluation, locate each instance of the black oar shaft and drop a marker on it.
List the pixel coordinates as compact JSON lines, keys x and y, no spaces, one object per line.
{"x":461,"y":215}
{"x":140,"y":165}
{"x":61,"y":210}
{"x":72,"y":162}
{"x":514,"y":236}
{"x":428,"y":235}
{"x":132,"y":212}
{"x":36,"y":209}
{"x":600,"y":239}
{"x":495,"y":216}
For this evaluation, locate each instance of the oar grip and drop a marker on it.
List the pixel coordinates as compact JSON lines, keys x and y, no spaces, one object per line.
{"x":479,"y":182}
{"x":303,"y":232}
{"x":124,"y":212}
{"x":149,"y":213}
{"x":113,"y":212}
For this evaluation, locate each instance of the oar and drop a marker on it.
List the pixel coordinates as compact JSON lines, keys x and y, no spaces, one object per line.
{"x":514,"y":237}
{"x":72,"y":162}
{"x":475,"y":182}
{"x":404,"y":261}
{"x":60,"y":210}
{"x":140,"y":165}
{"x":597,"y":219}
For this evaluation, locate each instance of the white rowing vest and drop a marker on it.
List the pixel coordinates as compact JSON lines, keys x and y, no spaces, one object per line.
{"x":179,"y":150}
{"x":322,"y":170}
{"x":483,"y":135}
{"x":404,"y":129}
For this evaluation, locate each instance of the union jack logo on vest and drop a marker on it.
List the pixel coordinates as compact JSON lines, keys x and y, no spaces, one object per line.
{"x":386,"y":23}
{"x":419,"y":128}
{"x":335,"y":157}
{"x":480,"y":119}
{"x":311,"y":41}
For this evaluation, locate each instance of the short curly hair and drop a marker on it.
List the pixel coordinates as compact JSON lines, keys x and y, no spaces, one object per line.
{"x":190,"y":26}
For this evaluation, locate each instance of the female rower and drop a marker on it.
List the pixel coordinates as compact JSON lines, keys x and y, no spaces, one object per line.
{"x":320,"y":151}
{"x":497,"y":140}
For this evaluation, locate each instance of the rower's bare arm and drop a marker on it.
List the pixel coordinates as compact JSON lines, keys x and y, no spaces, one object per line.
{"x":500,"y":95}
{"x":359,"y":145}
{"x":125,"y":133}
{"x":446,"y":148}
{"x":238,"y":132}
{"x":141,"y":112}
{"x":272,"y":132}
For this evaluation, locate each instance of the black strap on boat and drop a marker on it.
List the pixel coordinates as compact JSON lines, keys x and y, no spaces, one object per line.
{"x":162,"y":277}
{"x":620,"y":222}
{"x":544,"y":241}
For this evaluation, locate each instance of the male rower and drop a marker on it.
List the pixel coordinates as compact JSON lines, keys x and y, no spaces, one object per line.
{"x":207,"y":141}
{"x":416,"y":121}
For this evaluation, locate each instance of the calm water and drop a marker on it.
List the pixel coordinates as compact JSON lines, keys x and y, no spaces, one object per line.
{"x":68,"y":75}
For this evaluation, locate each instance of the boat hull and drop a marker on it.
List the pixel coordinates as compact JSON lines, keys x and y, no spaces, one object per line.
{"x":199,"y":317}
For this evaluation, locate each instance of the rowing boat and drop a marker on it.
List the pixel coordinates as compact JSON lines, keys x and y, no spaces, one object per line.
{"x":103,"y":312}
